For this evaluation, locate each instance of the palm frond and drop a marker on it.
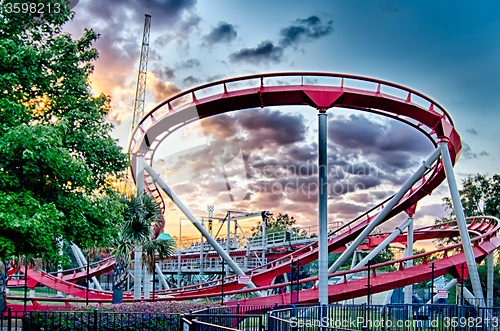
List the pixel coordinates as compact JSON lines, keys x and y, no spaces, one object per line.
{"x":162,"y":248}
{"x":123,"y":251}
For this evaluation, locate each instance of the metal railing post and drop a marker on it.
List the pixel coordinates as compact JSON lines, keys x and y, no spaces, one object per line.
{"x":95,"y":319}
{"x":9,"y":318}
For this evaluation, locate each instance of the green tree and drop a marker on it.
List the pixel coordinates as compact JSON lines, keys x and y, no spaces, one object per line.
{"x":480,"y":195}
{"x":57,"y":160}
{"x":274,"y":224}
{"x":141,"y":215}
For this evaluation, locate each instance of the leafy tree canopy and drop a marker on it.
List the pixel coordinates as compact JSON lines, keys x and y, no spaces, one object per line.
{"x":480,"y":195}
{"x":57,"y":160}
{"x":274,"y":224}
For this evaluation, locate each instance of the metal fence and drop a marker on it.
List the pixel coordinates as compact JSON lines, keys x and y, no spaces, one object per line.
{"x":397,"y":317}
{"x":98,"y":321}
{"x":394,"y":317}
{"x":207,"y":322}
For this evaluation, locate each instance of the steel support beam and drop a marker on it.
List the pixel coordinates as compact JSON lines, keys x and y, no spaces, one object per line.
{"x":139,"y":183}
{"x":202,"y":243}
{"x":388,"y":297}
{"x":137,"y":273}
{"x":380,"y":247}
{"x":161,"y":276}
{"x":408,"y":290}
{"x":323,"y":207}
{"x":462,"y":225}
{"x":447,"y":287}
{"x":489,"y":280}
{"x":82,"y":262}
{"x":139,"y":178}
{"x":190,"y":216}
{"x":387,"y":209}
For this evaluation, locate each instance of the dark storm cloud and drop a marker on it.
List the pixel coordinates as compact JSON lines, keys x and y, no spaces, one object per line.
{"x":345,"y":208}
{"x":190,"y":81}
{"x":191,"y":63}
{"x":395,"y":144}
{"x":166,"y":12}
{"x":222,"y":33}
{"x":163,"y":73}
{"x":220,"y":127}
{"x":361,"y":197}
{"x":272,"y":127}
{"x":179,"y":34}
{"x":434,"y":210}
{"x":467,"y":153}
{"x":304,"y":152}
{"x":282,"y":165}
{"x":266,"y":52}
{"x":264,"y":128}
{"x":380,"y":195}
{"x":162,"y":91}
{"x":355,"y":132}
{"x":304,"y":30}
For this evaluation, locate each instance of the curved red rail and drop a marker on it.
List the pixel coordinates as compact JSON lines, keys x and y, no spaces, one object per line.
{"x":430,"y":119}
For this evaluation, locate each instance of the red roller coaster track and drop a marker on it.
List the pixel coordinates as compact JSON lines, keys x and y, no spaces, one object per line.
{"x":425,"y":115}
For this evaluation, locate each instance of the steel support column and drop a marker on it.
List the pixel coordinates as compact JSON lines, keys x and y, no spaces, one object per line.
{"x":139,"y":183}
{"x":161,"y":276}
{"x":323,"y":207}
{"x":384,"y":212}
{"x":137,"y":272}
{"x":139,"y":178}
{"x":447,"y":287}
{"x":408,"y":290}
{"x":462,"y":225}
{"x":489,"y":280}
{"x":201,"y":253}
{"x":380,"y":247}
{"x":190,"y":216}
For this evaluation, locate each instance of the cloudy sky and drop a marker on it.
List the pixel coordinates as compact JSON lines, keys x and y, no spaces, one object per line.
{"x":448,"y":50}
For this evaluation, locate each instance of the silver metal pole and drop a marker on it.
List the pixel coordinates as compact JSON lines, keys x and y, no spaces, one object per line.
{"x":139,"y":183}
{"x":323,"y":207}
{"x":161,"y":276}
{"x":83,"y":261}
{"x":353,"y":262}
{"x":59,"y":266}
{"x":228,"y":247}
{"x":264,"y":240}
{"x":137,"y":272}
{"x":462,"y":225}
{"x":201,"y":253}
{"x":139,"y":178}
{"x":190,"y":216}
{"x":387,"y":209}
{"x":447,"y":287}
{"x":489,"y":280}
{"x":388,"y":297}
{"x":179,"y":256}
{"x":408,"y":290}
{"x":380,"y":247}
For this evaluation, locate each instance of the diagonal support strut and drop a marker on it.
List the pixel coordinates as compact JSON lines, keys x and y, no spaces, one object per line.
{"x":190,"y":216}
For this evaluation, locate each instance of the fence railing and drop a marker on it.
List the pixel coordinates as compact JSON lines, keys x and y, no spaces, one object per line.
{"x":394,"y":317}
{"x":386,"y":318}
{"x":98,"y":321}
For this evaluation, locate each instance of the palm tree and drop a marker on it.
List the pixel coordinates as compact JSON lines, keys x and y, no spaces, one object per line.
{"x":141,"y":218}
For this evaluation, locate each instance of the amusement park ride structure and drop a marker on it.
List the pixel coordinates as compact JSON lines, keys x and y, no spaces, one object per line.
{"x":269,"y":257}
{"x":196,"y":270}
